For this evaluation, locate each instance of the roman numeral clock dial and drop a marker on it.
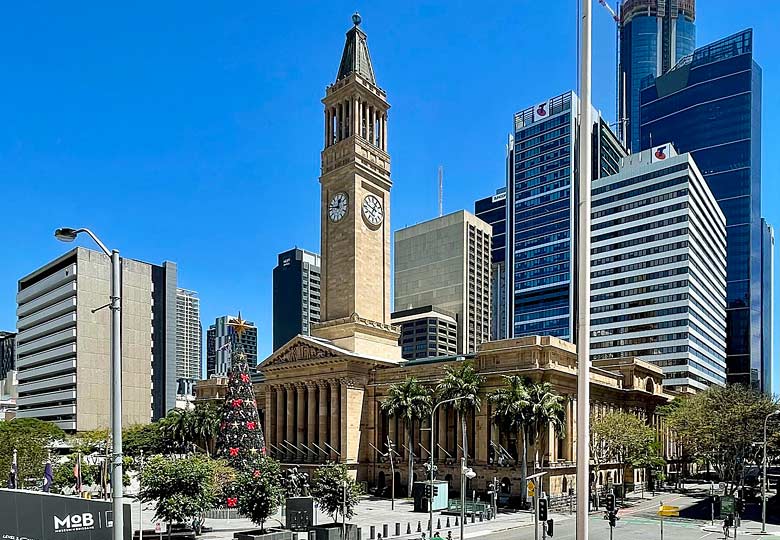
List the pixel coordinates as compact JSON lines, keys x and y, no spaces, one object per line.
{"x":372,"y":211}
{"x":337,"y":208}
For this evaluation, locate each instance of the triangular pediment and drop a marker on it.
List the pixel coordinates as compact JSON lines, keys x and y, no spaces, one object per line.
{"x":302,"y":349}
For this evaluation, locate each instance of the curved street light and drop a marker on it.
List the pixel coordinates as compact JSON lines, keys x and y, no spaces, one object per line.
{"x":67,"y":234}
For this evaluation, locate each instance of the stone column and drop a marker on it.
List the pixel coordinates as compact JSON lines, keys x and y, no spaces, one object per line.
{"x":482,"y":427}
{"x":280,"y":416}
{"x":290,"y":403}
{"x":335,"y":418}
{"x":355,"y":116}
{"x":270,"y":413}
{"x":300,"y":415}
{"x":322,"y":431}
{"x":311,"y":415}
{"x":384,"y":132}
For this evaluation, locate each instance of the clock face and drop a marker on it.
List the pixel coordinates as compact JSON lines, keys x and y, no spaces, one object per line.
{"x":372,"y":210}
{"x":337,"y":208}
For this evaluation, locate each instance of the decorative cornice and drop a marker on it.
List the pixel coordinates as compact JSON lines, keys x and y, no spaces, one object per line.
{"x":356,"y":319}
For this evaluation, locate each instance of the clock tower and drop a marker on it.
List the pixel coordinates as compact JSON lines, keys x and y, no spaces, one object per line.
{"x":355,"y":208}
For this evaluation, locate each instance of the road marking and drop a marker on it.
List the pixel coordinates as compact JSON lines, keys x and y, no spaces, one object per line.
{"x":478,"y":533}
{"x":706,"y":535}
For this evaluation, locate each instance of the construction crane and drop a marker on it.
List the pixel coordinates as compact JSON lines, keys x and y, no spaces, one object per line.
{"x":620,"y":116}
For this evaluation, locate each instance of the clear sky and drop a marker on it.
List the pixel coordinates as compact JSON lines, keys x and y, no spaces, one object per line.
{"x":191,"y":131}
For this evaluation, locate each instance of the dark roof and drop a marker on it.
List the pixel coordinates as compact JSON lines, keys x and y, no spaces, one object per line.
{"x":355,"y":58}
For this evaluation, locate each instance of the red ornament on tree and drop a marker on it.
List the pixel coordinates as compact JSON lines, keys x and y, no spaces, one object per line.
{"x":251,"y":425}
{"x":256,"y":474}
{"x":233,"y":452}
{"x":232,"y":501}
{"x":237,"y":403}
{"x":244,"y":377}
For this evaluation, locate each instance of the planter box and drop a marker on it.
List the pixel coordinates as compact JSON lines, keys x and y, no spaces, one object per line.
{"x":332,"y":531}
{"x":270,"y":534}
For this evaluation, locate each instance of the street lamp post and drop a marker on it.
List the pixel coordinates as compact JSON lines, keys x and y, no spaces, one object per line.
{"x":69,"y":235}
{"x":763,"y":476}
{"x":433,"y":445}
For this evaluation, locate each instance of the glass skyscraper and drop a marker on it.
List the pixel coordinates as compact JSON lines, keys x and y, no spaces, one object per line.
{"x":710,"y":106}
{"x":654,"y":36}
{"x":540,"y":215}
{"x":492,"y":210}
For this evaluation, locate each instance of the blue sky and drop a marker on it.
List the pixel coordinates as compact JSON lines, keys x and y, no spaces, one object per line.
{"x":191,"y":131}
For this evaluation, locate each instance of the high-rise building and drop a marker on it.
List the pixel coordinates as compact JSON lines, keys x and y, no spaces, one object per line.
{"x":710,"y":106}
{"x":445,"y":263}
{"x":189,"y":341}
{"x":426,"y":332}
{"x":492,"y":210}
{"x":658,"y":269}
{"x":218,"y":353}
{"x":7,"y":353}
{"x":767,"y":301}
{"x":654,"y":36}
{"x":63,"y":341}
{"x":296,"y":295}
{"x":540,"y":219}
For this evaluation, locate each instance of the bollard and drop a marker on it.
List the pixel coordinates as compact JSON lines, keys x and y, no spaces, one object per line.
{"x":480,"y":517}
{"x":456,"y":521}
{"x":408,"y":528}
{"x":372,"y":532}
{"x":428,"y":527}
{"x":384,"y":530}
{"x":438,"y":523}
{"x":397,"y":529}
{"x":419,"y":527}
{"x":473,"y":517}
{"x":448,"y":522}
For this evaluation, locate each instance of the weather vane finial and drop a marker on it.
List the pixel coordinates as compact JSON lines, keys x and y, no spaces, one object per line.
{"x":356,"y":19}
{"x":239,"y":325}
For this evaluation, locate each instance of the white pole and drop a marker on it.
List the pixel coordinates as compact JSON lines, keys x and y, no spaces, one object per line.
{"x":140,"y":504}
{"x":116,"y":394}
{"x":583,"y":277}
{"x":763,"y":477}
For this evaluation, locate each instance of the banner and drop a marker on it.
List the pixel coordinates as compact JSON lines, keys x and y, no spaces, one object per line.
{"x":33,"y":515}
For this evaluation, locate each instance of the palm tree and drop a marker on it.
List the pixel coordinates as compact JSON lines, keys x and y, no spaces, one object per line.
{"x":410,"y":401}
{"x":177,"y":426}
{"x":511,"y":412}
{"x":462,"y":382}
{"x":205,"y":425}
{"x":545,"y":409}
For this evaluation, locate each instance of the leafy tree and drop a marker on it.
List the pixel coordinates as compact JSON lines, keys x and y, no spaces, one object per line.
{"x":720,"y":425}
{"x":192,"y":429}
{"x":328,"y":488}
{"x":462,"y":381}
{"x":147,"y":438}
{"x":545,"y":409}
{"x":260,"y":486}
{"x":627,"y":439}
{"x":410,"y":401}
{"x":181,"y":488}
{"x":30,"y":438}
{"x":88,"y":442}
{"x":511,"y":413}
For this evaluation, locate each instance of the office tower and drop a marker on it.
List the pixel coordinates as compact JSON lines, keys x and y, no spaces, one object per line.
{"x":218,"y":352}
{"x":63,"y":341}
{"x":445,"y":263}
{"x":767,"y":301}
{"x":654,"y":36}
{"x":426,"y":331}
{"x":541,"y":215}
{"x":189,"y":348}
{"x":296,"y":303}
{"x":658,"y":269}
{"x":492,"y":210}
{"x":7,"y":366}
{"x":710,"y":106}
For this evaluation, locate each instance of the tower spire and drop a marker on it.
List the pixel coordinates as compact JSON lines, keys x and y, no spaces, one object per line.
{"x":355,"y":58}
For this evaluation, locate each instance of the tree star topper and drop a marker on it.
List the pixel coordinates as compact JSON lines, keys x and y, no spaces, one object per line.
{"x":239,"y":325}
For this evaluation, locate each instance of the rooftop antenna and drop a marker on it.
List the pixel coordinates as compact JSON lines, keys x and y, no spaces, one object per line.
{"x":441,"y":190}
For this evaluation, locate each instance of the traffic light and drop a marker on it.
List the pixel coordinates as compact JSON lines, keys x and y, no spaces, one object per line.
{"x":428,"y":491}
{"x":542,"y":509}
{"x":716,"y":505}
{"x":610,"y":502}
{"x":729,"y":521}
{"x":740,"y":506}
{"x":435,"y":490}
{"x":549,"y":527}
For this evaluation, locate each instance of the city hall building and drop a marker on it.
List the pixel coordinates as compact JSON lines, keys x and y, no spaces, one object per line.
{"x":321,"y":395}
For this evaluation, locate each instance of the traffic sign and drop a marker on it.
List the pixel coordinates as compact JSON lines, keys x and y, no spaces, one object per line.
{"x":531,"y":488}
{"x":669,"y":511}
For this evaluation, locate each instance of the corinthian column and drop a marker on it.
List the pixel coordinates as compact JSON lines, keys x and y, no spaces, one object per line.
{"x":311,"y":415}
{"x":335,"y":418}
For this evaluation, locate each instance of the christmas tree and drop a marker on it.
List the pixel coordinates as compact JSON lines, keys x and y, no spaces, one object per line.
{"x":240,"y":439}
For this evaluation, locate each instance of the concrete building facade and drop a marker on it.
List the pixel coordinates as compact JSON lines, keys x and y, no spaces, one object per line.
{"x":658,"y":269}
{"x":426,"y":331}
{"x":297,"y":302}
{"x":446,"y":263}
{"x":63,"y":341}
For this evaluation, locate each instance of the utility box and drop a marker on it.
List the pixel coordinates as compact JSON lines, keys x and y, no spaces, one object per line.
{"x":439,"y":494}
